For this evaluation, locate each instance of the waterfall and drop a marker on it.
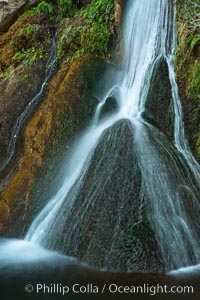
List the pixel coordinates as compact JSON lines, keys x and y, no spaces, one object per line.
{"x":159,"y":182}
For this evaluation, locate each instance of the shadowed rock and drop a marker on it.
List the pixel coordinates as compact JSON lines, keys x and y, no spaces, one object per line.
{"x":32,"y":265}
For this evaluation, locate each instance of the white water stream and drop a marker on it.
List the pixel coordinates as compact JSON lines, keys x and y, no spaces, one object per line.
{"x":170,"y":175}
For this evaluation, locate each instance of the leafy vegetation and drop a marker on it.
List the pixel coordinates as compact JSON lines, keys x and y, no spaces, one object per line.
{"x":188,"y":18}
{"x":65,"y":8}
{"x":27,"y":46}
{"x":83,"y":29}
{"x":190,"y":14}
{"x":89,"y":32}
{"x":78,"y":39}
{"x":27,"y":40}
{"x":188,"y":54}
{"x":42,"y":7}
{"x":98,"y":11}
{"x":193,"y":89}
{"x":28,"y":56}
{"x":94,"y":40}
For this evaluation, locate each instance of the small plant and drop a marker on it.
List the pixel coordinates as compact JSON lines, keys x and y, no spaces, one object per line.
{"x":90,"y":32}
{"x":28,"y":56}
{"x":193,"y":89}
{"x":11,"y":44}
{"x":190,"y":14}
{"x":68,"y":40}
{"x":19,"y":56}
{"x":42,"y":7}
{"x":95,"y":40}
{"x":7,"y":73}
{"x":29,"y":29}
{"x":98,"y":10}
{"x":188,"y":57}
{"x":193,"y":41}
{"x":198,"y":144}
{"x":65,"y":8}
{"x":80,"y":39}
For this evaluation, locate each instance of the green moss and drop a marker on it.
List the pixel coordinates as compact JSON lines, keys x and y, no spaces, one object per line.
{"x":77,"y":40}
{"x":26,"y":42}
{"x":94,"y":39}
{"x":9,"y":71}
{"x":69,"y":40}
{"x":65,"y":8}
{"x":29,"y":30}
{"x":193,"y":87}
{"x":198,"y":143}
{"x":19,"y":55}
{"x":188,"y":56}
{"x":193,"y":41}
{"x":188,"y":13}
{"x":188,"y":42}
{"x":89,"y":32}
{"x":98,"y":11}
{"x":29,"y":56}
{"x":42,"y":7}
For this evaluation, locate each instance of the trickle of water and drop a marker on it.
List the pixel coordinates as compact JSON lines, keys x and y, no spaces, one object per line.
{"x":169,"y":185}
{"x":29,"y":108}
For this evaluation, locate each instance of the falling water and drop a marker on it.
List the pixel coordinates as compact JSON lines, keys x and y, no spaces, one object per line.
{"x":159,"y":181}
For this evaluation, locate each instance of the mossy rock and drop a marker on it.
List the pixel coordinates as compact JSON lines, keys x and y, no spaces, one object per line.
{"x":24,"y":51}
{"x":187,"y":64}
{"x":67,"y":108}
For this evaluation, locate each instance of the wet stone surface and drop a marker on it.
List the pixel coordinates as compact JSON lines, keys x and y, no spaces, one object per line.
{"x":107,"y":226}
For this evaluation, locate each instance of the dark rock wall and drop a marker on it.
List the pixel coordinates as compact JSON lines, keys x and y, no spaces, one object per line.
{"x":159,"y":106}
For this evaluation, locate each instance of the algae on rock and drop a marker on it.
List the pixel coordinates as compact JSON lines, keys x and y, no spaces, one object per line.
{"x":68,"y":102}
{"x":188,"y":67}
{"x":67,"y":108}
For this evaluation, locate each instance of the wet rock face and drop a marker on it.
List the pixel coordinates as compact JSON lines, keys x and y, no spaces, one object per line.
{"x":159,"y":111}
{"x":33,"y":2}
{"x":15,"y":94}
{"x":107,"y":226}
{"x":82,"y":3}
{"x":66,"y":109}
{"x":119,"y":238}
{"x":119,"y":9}
{"x":9,"y":11}
{"x":118,"y":12}
{"x":23,"y":58}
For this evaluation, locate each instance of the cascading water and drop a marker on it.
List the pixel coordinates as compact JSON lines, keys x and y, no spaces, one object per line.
{"x":124,"y":174}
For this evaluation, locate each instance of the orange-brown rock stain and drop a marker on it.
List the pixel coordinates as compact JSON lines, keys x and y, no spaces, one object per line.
{"x":63,"y":92}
